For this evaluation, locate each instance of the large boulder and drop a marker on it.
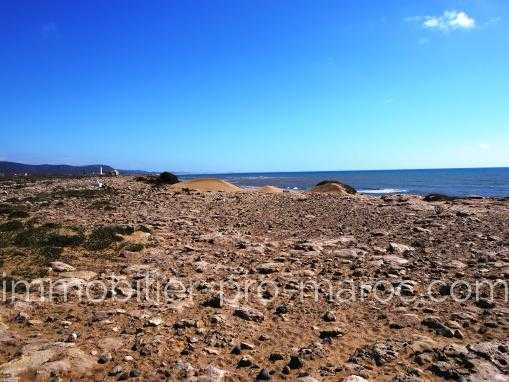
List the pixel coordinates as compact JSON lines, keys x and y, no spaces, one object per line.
{"x":167,"y":178}
{"x":439,"y":198}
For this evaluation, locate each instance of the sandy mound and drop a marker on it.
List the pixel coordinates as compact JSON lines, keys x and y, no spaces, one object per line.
{"x":334,"y":186}
{"x":269,"y":190}
{"x":330,"y":188}
{"x":206,"y":184}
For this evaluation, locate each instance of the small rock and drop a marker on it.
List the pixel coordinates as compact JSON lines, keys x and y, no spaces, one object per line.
{"x":355,"y":378}
{"x":282,"y":309}
{"x":329,"y":316}
{"x":263,"y":375}
{"x":236,"y":350}
{"x":295,"y":363}
{"x":135,"y":373}
{"x":267,"y":268}
{"x":484,"y":303}
{"x":21,"y":318}
{"x":331,"y":333}
{"x":72,"y":337}
{"x":116,"y":370}
{"x":400,"y":249}
{"x":249,"y":314}
{"x":440,"y":328}
{"x":245,"y":362}
{"x":104,"y":358}
{"x":216,"y":301}
{"x":58,"y":266}
{"x":246,"y":346}
{"x":276,"y":357}
{"x":155,"y":321}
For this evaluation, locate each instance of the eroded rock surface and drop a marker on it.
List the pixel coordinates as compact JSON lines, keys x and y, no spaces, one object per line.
{"x":138,"y":282}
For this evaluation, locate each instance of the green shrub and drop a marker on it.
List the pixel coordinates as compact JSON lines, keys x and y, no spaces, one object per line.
{"x":13,"y":211}
{"x":47,"y":235}
{"x":134,"y":247}
{"x":12,"y":225}
{"x":47,"y":254}
{"x":104,"y":236}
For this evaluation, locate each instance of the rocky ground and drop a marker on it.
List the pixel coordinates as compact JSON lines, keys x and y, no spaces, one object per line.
{"x":289,"y":286}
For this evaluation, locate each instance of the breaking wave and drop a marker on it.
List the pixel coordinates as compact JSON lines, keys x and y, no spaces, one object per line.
{"x":383,"y":191}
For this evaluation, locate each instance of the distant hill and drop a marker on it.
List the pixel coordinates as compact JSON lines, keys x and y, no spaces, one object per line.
{"x":12,"y":168}
{"x":137,"y":172}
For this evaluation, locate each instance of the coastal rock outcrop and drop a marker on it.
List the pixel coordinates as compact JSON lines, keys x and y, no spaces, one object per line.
{"x":334,"y":186}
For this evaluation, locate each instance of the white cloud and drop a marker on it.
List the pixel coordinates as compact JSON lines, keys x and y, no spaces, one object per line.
{"x":449,"y":20}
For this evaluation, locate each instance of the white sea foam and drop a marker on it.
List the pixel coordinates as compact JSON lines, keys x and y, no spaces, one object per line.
{"x":383,"y":191}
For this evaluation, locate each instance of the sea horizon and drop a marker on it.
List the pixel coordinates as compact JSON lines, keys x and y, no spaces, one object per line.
{"x":473,"y":181}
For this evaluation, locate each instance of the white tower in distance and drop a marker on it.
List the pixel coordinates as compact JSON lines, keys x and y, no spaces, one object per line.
{"x":101,"y":170}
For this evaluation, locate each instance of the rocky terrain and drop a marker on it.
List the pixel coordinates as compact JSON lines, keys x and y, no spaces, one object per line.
{"x":136,"y":282}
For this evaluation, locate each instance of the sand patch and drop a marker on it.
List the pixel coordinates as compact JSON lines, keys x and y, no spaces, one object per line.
{"x":206,"y":184}
{"x":269,"y":190}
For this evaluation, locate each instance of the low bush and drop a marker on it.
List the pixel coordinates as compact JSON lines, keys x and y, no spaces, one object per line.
{"x":12,"y":225}
{"x":104,"y":236}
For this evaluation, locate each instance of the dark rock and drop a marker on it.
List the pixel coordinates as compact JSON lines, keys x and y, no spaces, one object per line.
{"x":236,"y":350}
{"x":245,"y":362}
{"x":295,"y":363}
{"x":484,"y":303}
{"x":444,"y":290}
{"x":438,"y":198}
{"x":104,"y":358}
{"x":445,"y":370}
{"x":215,"y":302}
{"x":282,"y":309}
{"x":329,"y":316}
{"x":263,"y":375}
{"x":135,"y":373}
{"x":167,"y":178}
{"x":347,"y":188}
{"x":249,"y":314}
{"x":331,"y":333}
{"x":276,"y":357}
{"x":116,"y":370}
{"x":439,"y":328}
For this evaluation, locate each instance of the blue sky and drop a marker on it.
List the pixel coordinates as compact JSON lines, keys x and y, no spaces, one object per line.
{"x":219,"y":86}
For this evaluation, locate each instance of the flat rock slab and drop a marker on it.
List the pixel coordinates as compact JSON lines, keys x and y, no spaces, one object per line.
{"x":58,"y":266}
{"x":83,"y":275}
{"x":47,"y":358}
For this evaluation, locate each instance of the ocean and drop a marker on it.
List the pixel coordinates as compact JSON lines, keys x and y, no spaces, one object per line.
{"x":493,"y":182}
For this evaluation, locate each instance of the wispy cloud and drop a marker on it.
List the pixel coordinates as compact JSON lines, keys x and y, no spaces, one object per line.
{"x":449,"y":20}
